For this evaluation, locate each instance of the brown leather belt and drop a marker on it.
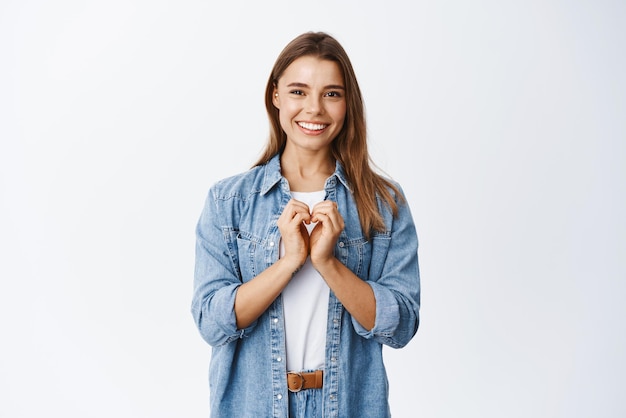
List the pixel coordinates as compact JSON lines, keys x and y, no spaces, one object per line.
{"x":298,"y":381}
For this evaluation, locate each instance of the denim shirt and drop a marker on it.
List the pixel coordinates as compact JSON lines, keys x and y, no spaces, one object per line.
{"x":237,"y":238}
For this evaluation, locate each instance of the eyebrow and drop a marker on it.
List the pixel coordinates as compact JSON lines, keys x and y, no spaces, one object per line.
{"x":331,"y":86}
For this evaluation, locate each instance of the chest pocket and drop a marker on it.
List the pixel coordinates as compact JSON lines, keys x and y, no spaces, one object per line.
{"x":354,"y":253}
{"x":252,"y":252}
{"x":379,"y":250}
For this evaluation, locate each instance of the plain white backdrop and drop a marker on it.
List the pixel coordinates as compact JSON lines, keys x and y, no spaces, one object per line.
{"x":504,"y":121}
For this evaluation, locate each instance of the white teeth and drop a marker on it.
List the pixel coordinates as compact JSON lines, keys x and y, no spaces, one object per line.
{"x":312,"y":126}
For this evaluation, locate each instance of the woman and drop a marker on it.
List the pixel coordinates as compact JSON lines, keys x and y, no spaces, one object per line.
{"x":307,"y":263}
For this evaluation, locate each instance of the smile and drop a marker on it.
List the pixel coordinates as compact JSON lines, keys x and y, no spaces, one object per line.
{"x":312,"y":126}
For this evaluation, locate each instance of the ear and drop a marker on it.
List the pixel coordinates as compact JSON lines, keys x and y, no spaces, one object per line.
{"x":275,"y":98}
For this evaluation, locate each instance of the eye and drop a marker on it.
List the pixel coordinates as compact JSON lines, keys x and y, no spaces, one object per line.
{"x":297,"y":92}
{"x":333,"y":94}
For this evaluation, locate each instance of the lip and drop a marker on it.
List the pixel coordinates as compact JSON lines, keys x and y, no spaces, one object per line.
{"x":312,"y":127}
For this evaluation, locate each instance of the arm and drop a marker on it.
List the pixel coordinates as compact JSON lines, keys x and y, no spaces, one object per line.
{"x":395,"y":279}
{"x":386,"y":306}
{"x":216,"y":276}
{"x":223,"y":307}
{"x":255,"y":296}
{"x":353,"y":293}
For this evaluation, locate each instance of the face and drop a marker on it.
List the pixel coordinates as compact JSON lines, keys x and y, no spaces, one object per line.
{"x":310,"y":97}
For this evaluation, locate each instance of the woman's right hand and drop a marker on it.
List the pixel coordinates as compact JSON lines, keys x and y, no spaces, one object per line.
{"x":294,"y":234}
{"x":256,"y":295}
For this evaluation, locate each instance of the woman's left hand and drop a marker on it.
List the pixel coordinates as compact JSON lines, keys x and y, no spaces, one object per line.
{"x":326,"y":232}
{"x":355,"y":294}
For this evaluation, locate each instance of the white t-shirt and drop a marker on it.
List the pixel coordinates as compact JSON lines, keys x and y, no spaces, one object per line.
{"x":305,"y":304}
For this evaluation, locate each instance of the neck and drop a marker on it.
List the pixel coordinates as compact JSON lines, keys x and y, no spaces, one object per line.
{"x":306,"y":173}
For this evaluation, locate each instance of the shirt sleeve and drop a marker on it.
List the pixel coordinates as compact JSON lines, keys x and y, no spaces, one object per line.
{"x":216,"y":276}
{"x":395,"y":280}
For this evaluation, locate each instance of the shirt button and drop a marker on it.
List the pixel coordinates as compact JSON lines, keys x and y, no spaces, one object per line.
{"x":279,"y":396}
{"x":275,"y":320}
{"x":279,"y":359}
{"x":271,"y":243}
{"x":333,"y":359}
{"x":341,"y":244}
{"x":332,"y":397}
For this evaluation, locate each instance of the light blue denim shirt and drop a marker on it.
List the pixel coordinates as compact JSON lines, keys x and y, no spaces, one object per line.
{"x":237,"y":238}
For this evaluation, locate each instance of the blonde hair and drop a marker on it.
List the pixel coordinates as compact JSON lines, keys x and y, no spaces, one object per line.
{"x":350,"y":145}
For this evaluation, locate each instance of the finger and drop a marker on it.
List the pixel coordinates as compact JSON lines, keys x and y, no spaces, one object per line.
{"x":300,"y":217}
{"x":324,"y":220}
{"x":325,"y":207}
{"x":330,"y":211}
{"x":297,"y":207}
{"x":328,"y":204}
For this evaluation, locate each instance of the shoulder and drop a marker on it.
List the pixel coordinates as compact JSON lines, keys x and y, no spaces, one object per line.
{"x":393,"y":189}
{"x":392,"y":204}
{"x":239,"y":186}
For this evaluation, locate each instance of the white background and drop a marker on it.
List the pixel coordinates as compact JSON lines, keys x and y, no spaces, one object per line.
{"x":504,"y":121}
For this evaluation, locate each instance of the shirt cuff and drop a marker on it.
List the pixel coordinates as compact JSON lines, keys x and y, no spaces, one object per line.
{"x":387,"y":314}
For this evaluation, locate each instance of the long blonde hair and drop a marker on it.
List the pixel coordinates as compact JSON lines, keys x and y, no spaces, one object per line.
{"x":350,"y":145}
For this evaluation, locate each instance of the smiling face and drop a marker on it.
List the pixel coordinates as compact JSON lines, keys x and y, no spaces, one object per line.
{"x":310,"y":97}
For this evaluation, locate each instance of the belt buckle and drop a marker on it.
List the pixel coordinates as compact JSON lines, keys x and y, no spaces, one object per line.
{"x":298,"y":389}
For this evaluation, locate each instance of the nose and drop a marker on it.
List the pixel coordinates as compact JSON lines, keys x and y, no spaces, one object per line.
{"x":315,"y":105}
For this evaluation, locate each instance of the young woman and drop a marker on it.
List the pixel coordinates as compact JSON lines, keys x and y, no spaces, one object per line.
{"x":306,"y":265}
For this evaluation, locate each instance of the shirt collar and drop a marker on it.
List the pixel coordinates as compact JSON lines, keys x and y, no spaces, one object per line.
{"x":273,"y":175}
{"x":341,"y":175}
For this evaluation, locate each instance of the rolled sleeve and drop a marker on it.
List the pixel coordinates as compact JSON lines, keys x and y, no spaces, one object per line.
{"x":387,"y":313}
{"x":395,"y":280}
{"x":216,"y":280}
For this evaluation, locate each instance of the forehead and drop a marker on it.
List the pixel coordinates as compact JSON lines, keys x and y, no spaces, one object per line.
{"x":312,"y":70}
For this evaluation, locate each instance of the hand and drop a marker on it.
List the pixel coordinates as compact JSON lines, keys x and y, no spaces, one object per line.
{"x":291,"y":224}
{"x":325,"y":234}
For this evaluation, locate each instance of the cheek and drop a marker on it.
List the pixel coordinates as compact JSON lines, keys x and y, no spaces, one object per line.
{"x":339,"y":113}
{"x":284,"y":119}
{"x":287,"y":112}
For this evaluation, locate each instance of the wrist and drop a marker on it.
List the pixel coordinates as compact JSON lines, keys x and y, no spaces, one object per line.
{"x":325,"y":264}
{"x":291,"y":266}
